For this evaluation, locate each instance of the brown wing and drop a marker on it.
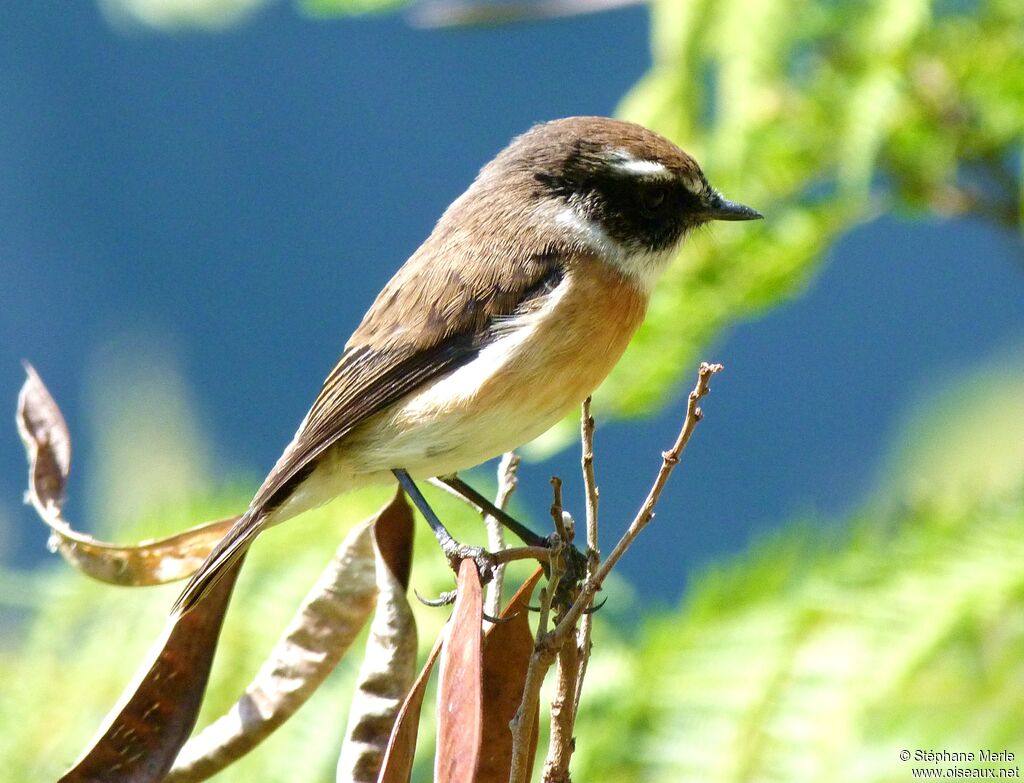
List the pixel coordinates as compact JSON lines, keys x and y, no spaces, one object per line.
{"x":422,"y":325}
{"x":425,"y":323}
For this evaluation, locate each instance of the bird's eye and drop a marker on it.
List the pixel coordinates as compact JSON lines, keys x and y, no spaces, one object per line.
{"x":653,"y":198}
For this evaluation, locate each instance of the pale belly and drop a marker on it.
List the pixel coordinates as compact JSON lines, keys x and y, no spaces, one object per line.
{"x":513,"y":391}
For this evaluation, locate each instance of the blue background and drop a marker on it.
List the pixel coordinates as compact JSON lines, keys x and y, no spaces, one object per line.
{"x":243,"y":195}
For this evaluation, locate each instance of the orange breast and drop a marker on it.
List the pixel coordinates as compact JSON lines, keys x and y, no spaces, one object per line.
{"x":515,"y":390}
{"x":572,"y":350}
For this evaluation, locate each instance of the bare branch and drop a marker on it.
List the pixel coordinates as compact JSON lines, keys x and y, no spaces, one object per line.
{"x":563,"y":715}
{"x":669,"y":460}
{"x":522,"y":723}
{"x":539,"y":553}
{"x":589,"y":481}
{"x":543,"y":652}
{"x":507,"y":483}
{"x":557,"y":642}
{"x":593,"y":552}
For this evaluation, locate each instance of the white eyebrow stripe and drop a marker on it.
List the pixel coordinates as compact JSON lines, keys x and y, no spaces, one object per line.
{"x":643,"y":168}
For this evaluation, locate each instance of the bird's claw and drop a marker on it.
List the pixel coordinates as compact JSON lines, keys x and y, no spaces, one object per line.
{"x":444,"y":599}
{"x":448,"y":597}
{"x":484,"y":561}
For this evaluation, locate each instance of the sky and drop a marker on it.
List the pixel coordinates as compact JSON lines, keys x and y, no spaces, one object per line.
{"x":238,"y":198}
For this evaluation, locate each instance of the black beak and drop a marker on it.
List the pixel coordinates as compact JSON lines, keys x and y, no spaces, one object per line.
{"x":718,"y":208}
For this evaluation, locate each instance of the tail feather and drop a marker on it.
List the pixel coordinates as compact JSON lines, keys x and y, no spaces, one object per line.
{"x":224,"y":555}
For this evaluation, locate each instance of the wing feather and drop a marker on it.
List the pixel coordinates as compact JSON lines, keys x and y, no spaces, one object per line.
{"x":405,"y":341}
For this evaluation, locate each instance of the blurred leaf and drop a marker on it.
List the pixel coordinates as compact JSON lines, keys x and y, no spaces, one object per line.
{"x":317,"y":638}
{"x":172,"y":15}
{"x":471,"y":13}
{"x":137,"y":396}
{"x":327,"y":8}
{"x":389,"y":665}
{"x":956,"y":451}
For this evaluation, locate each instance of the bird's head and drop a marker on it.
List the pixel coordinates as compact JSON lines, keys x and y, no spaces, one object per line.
{"x":610,"y":186}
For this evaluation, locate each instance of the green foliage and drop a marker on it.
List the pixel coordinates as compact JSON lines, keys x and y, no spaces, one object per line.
{"x":821,"y":654}
{"x":70,"y":645}
{"x":348,"y":7}
{"x":821,"y":115}
{"x":818,"y":655}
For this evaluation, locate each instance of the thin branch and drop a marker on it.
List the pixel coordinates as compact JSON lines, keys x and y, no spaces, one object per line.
{"x":560,"y":744}
{"x":563,"y":715}
{"x":549,"y":645}
{"x":521,"y":725}
{"x":592,"y":493}
{"x":557,"y":509}
{"x":543,"y":654}
{"x":538,"y":553}
{"x":589,"y":481}
{"x":669,"y":460}
{"x":507,"y":483}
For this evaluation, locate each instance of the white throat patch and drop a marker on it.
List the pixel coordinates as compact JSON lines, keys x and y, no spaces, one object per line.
{"x":642,"y":266}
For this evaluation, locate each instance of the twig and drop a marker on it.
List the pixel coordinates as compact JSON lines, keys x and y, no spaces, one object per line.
{"x":563,"y":715}
{"x":507,"y":483}
{"x":549,"y":645}
{"x":538,"y":553}
{"x":521,"y":725}
{"x":669,"y":460}
{"x":560,"y":745}
{"x":589,"y":481}
{"x":592,"y":493}
{"x":543,"y":652}
{"x":556,"y":507}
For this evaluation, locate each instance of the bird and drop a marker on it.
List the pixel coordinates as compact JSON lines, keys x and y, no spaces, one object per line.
{"x":512,"y":311}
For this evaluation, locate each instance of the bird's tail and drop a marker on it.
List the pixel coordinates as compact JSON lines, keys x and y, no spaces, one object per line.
{"x":226,"y":553}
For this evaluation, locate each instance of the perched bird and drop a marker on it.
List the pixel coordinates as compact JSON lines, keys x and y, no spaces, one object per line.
{"x":513,"y":310}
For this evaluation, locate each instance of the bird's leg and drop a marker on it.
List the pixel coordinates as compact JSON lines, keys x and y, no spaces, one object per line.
{"x":524,"y":533}
{"x":453,"y":550}
{"x":575,"y":561}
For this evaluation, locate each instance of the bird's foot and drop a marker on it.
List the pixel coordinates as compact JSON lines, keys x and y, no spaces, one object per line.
{"x":484,"y":561}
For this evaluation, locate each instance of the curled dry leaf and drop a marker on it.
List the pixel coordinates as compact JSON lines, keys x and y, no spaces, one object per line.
{"x":389,"y":665}
{"x":143,"y":733}
{"x":460,"y":692}
{"x":48,"y":446}
{"x":506,"y":657}
{"x":45,"y":435}
{"x":330,"y":618}
{"x":397,"y":766}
